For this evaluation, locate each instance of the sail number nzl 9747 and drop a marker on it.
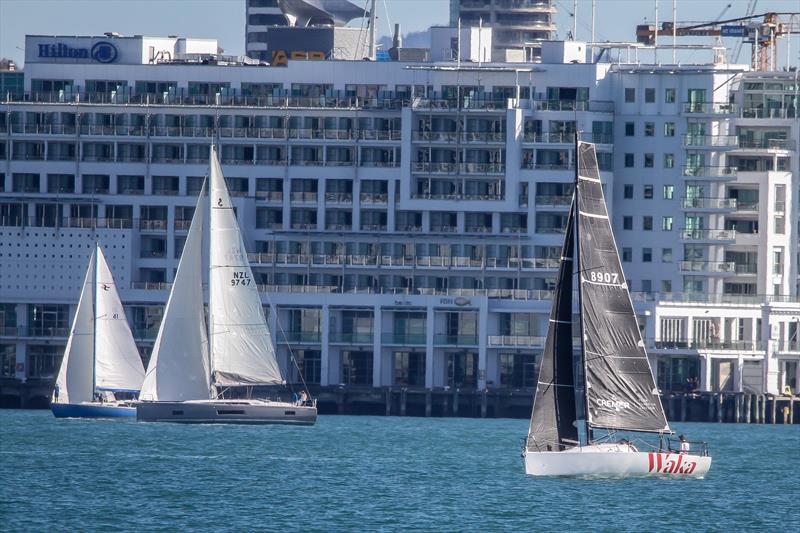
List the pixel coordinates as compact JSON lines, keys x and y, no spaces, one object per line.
{"x":604,"y":277}
{"x":241,"y":279}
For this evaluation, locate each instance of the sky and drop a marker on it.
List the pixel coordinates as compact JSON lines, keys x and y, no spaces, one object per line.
{"x":616,"y":20}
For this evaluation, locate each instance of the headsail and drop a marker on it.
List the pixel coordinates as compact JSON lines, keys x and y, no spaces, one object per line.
{"x":178,"y":368}
{"x":118,"y":365}
{"x":554,"y":413}
{"x":74,"y":382}
{"x":620,"y":389}
{"x":241,"y":347}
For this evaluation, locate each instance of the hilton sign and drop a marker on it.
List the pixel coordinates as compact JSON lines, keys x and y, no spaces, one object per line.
{"x":102,"y":52}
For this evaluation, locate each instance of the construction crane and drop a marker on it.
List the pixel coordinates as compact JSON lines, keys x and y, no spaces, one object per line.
{"x":761,"y":31}
{"x":751,"y":8}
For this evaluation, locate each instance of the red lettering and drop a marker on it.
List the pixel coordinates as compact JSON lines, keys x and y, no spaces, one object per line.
{"x":650,"y":461}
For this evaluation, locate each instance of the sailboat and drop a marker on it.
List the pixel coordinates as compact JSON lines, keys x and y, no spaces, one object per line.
{"x":615,"y":386}
{"x":101,"y":358}
{"x":195,"y":361}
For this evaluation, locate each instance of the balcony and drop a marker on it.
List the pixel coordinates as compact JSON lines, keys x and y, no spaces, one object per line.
{"x":404,"y":339}
{"x":270,"y":196}
{"x":596,"y":106}
{"x":45,"y":332}
{"x":708,"y":235}
{"x":709,"y":108}
{"x":708,"y":345}
{"x":710,"y":141}
{"x":303,"y":197}
{"x":708,"y":267}
{"x":373,"y":197}
{"x":709,"y":204}
{"x":301,"y":337}
{"x":441,"y":339}
{"x":453,"y":168}
{"x":527,"y":341}
{"x":554,"y":201}
{"x":765,"y":145}
{"x":153,"y":225}
{"x":350,"y":338}
{"x":339,"y":197}
{"x":710,"y":172}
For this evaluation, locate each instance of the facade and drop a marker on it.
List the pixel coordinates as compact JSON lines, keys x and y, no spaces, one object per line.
{"x":260,"y":16}
{"x":405,"y":219}
{"x":519,"y":26}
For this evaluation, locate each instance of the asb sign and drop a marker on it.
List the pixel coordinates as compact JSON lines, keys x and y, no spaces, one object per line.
{"x":102,"y":52}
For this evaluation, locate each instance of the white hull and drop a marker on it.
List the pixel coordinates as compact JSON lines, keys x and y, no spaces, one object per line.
{"x":227,"y":412}
{"x":611,"y":460}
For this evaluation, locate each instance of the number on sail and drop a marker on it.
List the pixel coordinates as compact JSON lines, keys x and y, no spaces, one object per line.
{"x":604,"y":277}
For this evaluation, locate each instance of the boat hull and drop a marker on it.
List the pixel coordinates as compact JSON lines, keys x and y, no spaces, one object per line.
{"x":227,"y":412}
{"x":613,"y":461}
{"x":92,"y":410}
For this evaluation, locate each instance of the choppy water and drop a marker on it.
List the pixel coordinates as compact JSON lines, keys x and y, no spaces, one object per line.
{"x":365,"y":474}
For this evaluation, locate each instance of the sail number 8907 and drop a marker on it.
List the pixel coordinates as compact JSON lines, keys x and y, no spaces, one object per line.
{"x":604,"y":277}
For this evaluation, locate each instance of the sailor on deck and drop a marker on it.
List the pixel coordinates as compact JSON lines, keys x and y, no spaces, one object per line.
{"x":685,"y":447}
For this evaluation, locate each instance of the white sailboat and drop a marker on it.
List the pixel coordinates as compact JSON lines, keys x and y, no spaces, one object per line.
{"x":616,"y":386}
{"x":101,"y":358}
{"x":191,"y":365}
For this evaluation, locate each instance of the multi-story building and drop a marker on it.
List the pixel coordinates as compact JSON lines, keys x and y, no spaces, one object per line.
{"x":405,"y":219}
{"x":519,"y":26}
{"x":260,"y":16}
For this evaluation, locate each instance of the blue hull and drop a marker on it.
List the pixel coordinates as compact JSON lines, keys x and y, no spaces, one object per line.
{"x":94,"y":410}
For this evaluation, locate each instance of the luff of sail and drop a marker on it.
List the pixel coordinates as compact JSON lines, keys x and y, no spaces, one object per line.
{"x":240,"y":343}
{"x":178,"y":368}
{"x":554,"y":411}
{"x":74,"y":382}
{"x":620,"y":390}
{"x":118,"y":366}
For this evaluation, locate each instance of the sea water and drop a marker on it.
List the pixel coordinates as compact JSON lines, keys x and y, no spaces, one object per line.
{"x":368,"y":474}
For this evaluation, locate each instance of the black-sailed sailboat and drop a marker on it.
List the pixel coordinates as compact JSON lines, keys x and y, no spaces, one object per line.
{"x":614,"y":386}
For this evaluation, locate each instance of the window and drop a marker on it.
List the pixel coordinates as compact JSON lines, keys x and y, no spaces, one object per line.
{"x":627,"y":255}
{"x":666,"y":223}
{"x":669,"y":160}
{"x":647,"y":223}
{"x":627,"y":223}
{"x":648,"y":192}
{"x":647,"y":255}
{"x":649,"y":160}
{"x":630,"y":95}
{"x":647,"y":285}
{"x":780,"y":225}
{"x":669,"y":192}
{"x":666,"y":255}
{"x":649,"y":129}
{"x":669,"y":129}
{"x":630,"y":129}
{"x":669,"y":96}
{"x":629,"y":160}
{"x":627,"y":192}
{"x":649,"y":96}
{"x":666,"y":285}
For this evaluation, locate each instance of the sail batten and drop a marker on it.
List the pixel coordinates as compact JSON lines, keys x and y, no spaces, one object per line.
{"x":553,"y":420}
{"x":620,"y":390}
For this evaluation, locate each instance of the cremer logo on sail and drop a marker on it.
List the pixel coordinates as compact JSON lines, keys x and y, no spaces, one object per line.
{"x":617,"y":405}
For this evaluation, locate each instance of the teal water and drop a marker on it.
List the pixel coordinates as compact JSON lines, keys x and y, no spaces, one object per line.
{"x":367,"y":474}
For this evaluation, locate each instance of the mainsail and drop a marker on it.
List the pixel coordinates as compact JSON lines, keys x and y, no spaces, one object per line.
{"x":118,"y":366}
{"x":620,"y":390}
{"x":178,"y":369}
{"x":241,"y":347}
{"x":554,"y":413}
{"x":75,"y":377}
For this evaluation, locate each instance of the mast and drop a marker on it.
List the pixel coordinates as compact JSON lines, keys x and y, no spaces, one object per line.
{"x":212,"y":389}
{"x":578,"y":267}
{"x":94,"y":318}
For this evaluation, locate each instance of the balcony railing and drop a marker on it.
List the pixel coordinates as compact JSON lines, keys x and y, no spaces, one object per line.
{"x":455,"y":340}
{"x":548,"y":200}
{"x":405,"y":339}
{"x":709,"y":203}
{"x":766,"y":144}
{"x":373,"y":197}
{"x":350,"y":338}
{"x":708,"y":235}
{"x":67,"y":222}
{"x":302,"y":337}
{"x":34,"y":331}
{"x":710,"y":172}
{"x":270,"y":196}
{"x":711,"y":267}
{"x":339,"y":197}
{"x":516,"y":340}
{"x":712,"y":141}
{"x":709,"y":108}
{"x":708,"y":345}
{"x":307,"y":197}
{"x":153,"y":225}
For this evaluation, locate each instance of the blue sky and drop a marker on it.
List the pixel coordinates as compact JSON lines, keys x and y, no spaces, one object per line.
{"x":224,"y":19}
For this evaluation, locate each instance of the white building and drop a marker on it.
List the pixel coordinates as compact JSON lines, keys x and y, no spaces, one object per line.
{"x":405,"y":220}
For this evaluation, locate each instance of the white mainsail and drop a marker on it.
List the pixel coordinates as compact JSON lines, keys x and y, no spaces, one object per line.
{"x":75,"y":383}
{"x":118,"y":366}
{"x":240,"y":343}
{"x":178,"y":368}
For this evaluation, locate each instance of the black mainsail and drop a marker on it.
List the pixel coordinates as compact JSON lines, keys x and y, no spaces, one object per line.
{"x":620,"y":389}
{"x":554,"y":413}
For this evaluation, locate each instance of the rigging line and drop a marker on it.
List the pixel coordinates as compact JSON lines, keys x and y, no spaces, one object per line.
{"x":288,"y":347}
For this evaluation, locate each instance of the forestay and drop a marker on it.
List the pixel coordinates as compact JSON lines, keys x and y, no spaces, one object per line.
{"x":118,"y":366}
{"x":620,"y":390}
{"x":553,"y":421}
{"x":74,"y":382}
{"x":241,"y":347}
{"x":178,"y":368}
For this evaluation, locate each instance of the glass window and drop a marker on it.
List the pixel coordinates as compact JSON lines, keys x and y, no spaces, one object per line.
{"x":649,"y":95}
{"x":666,"y":223}
{"x":669,"y":96}
{"x":630,"y":95}
{"x":669,"y":160}
{"x":647,"y":285}
{"x":666,"y":285}
{"x":669,"y":129}
{"x":647,"y":223}
{"x":647,"y":255}
{"x":666,"y":255}
{"x":648,"y":192}
{"x":627,"y":255}
{"x":627,"y":223}
{"x":649,"y":129}
{"x":630,"y":129}
{"x":649,"y":160}
{"x":627,"y":192}
{"x":629,"y":160}
{"x":669,"y":192}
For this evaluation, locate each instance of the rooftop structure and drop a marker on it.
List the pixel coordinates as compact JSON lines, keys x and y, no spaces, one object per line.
{"x":405,"y":219}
